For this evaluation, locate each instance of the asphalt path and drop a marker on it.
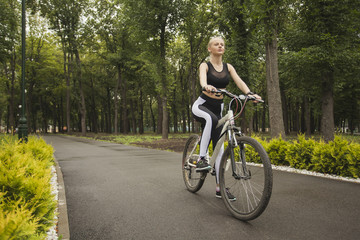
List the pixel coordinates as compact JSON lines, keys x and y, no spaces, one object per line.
{"x":115,"y":191}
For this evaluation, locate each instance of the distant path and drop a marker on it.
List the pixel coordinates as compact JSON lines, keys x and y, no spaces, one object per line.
{"x":115,"y":191}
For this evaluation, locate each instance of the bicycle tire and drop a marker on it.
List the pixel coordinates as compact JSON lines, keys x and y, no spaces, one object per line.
{"x":252,"y":194}
{"x":193,"y":180}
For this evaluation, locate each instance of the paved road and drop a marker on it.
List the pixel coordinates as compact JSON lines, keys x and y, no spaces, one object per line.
{"x":115,"y":191}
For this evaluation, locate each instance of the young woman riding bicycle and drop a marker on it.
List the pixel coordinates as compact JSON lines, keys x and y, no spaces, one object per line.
{"x":207,"y":109}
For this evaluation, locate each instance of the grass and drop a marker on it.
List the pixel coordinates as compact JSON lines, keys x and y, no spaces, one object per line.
{"x":150,"y":137}
{"x":317,"y":137}
{"x":129,"y":139}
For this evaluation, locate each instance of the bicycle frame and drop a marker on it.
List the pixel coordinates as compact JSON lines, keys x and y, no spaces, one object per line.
{"x":228,"y":130}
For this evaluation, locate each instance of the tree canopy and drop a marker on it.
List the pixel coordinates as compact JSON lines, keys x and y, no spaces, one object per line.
{"x":123,"y":66}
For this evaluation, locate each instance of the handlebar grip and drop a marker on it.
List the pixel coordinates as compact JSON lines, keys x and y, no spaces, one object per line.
{"x":212,"y":91}
{"x":254,"y":99}
{"x":204,"y":90}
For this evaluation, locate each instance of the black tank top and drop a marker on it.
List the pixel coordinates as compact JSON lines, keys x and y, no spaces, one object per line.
{"x":218,"y":79}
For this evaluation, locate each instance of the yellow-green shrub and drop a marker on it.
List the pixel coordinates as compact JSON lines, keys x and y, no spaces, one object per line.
{"x":339,"y":157}
{"x":300,"y":152}
{"x":25,"y":175}
{"x":353,"y":157}
{"x":16,"y":220}
{"x":335,"y":157}
{"x":276,"y":150}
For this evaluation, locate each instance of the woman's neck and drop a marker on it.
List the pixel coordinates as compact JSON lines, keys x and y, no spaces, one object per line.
{"x":216,"y":60}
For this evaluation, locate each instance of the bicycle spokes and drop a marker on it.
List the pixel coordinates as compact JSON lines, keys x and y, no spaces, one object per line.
{"x":249,"y":182}
{"x":193,"y":180}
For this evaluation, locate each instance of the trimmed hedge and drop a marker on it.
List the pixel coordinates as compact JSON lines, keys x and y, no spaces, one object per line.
{"x":339,"y":157}
{"x":27,"y":205}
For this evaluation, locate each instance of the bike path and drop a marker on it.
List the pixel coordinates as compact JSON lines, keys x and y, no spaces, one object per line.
{"x":115,"y":191}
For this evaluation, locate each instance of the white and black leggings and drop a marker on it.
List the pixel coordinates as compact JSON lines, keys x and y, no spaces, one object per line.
{"x":208,"y":111}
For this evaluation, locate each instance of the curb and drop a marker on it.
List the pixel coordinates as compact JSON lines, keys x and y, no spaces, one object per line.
{"x":63,"y":220}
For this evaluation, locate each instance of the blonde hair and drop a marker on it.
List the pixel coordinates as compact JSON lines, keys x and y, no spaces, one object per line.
{"x":213,"y":39}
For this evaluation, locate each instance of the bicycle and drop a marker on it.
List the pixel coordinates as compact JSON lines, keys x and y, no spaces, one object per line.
{"x":245,"y":167}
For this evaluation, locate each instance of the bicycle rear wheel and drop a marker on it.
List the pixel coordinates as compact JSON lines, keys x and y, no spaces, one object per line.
{"x":252,"y":183}
{"x":193,"y":180}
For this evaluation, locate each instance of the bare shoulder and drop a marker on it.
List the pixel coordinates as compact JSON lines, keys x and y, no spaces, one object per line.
{"x":230,"y":67}
{"x":203,"y":66}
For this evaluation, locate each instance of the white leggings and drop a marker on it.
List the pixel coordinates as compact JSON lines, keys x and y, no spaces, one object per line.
{"x":208,"y":111}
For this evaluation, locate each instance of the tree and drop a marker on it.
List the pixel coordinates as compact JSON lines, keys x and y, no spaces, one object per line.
{"x":157,"y":20}
{"x":9,"y":35}
{"x":331,"y":29}
{"x":266,"y":19}
{"x":42,"y":65}
{"x":197,"y":27}
{"x":109,"y":24}
{"x":271,"y":26}
{"x":64,"y":17}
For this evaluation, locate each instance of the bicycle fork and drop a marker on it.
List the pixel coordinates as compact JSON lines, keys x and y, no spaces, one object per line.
{"x":245,"y":173}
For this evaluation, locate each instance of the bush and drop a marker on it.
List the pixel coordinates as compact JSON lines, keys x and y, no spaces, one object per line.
{"x":353,"y":159}
{"x":16,"y":220}
{"x":27,"y":206}
{"x":299,"y":153}
{"x":276,"y":150}
{"x":335,"y":157}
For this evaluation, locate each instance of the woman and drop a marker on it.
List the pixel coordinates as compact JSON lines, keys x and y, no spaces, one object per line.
{"x":207,"y":109}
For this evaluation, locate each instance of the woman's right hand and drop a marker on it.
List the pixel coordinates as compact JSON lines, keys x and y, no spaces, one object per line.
{"x":210,"y":89}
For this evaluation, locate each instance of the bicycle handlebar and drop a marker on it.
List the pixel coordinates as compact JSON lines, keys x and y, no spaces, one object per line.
{"x":241,"y":97}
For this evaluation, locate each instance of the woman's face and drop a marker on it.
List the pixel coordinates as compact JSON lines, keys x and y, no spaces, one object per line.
{"x":216,"y":46}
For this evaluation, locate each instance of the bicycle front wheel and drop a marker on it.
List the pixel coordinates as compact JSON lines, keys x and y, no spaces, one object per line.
{"x":193,"y":180}
{"x":248,"y":179}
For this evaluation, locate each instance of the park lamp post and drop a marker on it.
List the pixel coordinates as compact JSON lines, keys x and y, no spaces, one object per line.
{"x":23,"y":129}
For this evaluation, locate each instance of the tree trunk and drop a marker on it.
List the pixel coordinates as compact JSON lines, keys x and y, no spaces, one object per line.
{"x":165,"y":117}
{"x":175,"y":111}
{"x":94,"y":117}
{"x":165,"y":125}
{"x":141,"y":122}
{"x":124,"y":115}
{"x":285,"y":112}
{"x":108,"y":111}
{"x":263,"y":120}
{"x":273,"y":89}
{"x":11,"y":90}
{"x":82,"y":95}
{"x":116,"y":100}
{"x":160,"y":115}
{"x":133,"y":116}
{"x":327,"y":108}
{"x":243,"y":123}
{"x":152,"y":115}
{"x":307,"y":117}
{"x":67,"y":78}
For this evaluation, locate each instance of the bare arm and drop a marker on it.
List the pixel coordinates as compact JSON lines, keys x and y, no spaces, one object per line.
{"x":203,"y":78}
{"x":238,"y":81}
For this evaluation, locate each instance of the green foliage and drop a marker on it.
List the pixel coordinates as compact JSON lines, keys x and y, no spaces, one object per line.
{"x":334,"y":158}
{"x":353,"y":158}
{"x":251,"y":154}
{"x":16,"y":221}
{"x":299,"y":153}
{"x":277,"y":149}
{"x":339,"y":157}
{"x":27,"y":205}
